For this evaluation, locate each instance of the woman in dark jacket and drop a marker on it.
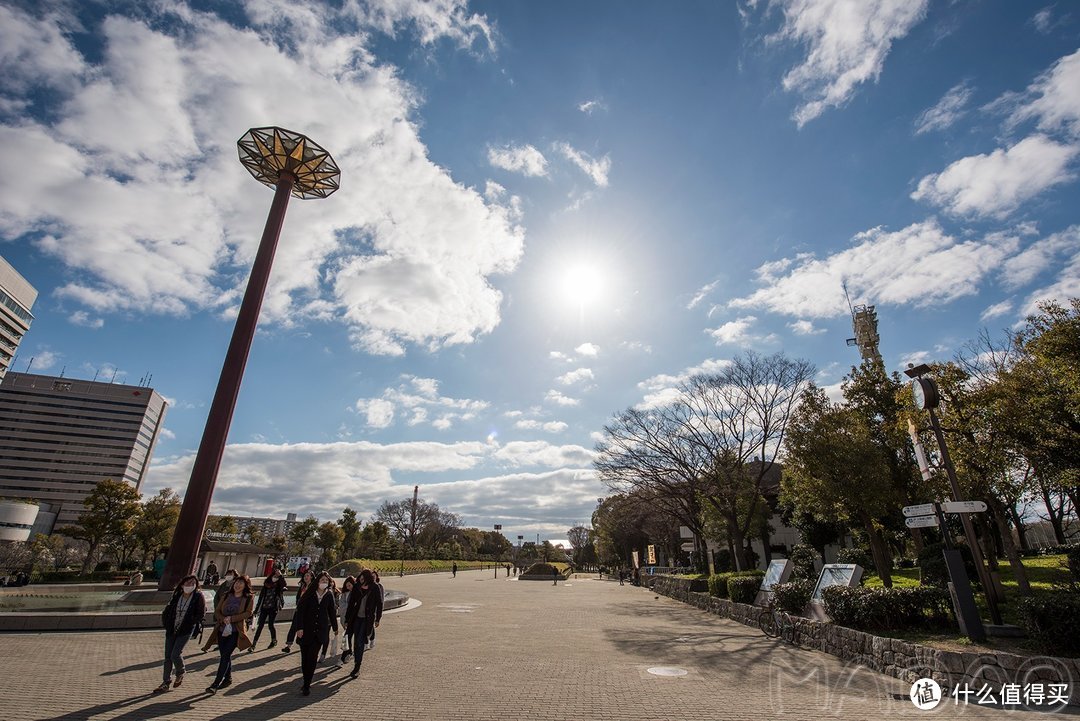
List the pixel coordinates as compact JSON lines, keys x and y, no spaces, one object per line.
{"x":182,"y":619}
{"x":364,"y":612}
{"x":305,"y":584}
{"x":271,"y":600}
{"x":317,"y":613}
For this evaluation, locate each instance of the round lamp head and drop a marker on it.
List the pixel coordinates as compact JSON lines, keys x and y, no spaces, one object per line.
{"x":269,"y":152}
{"x":926,"y":393}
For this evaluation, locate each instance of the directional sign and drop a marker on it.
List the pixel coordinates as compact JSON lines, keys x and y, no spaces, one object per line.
{"x":920,"y":521}
{"x":687,"y":547}
{"x":923,"y":510}
{"x":963,"y":506}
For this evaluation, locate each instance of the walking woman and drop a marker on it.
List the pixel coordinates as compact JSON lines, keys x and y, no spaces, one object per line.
{"x":318,"y":614}
{"x":230,"y":629}
{"x":271,"y":600}
{"x":364,"y":612}
{"x":382,"y":598}
{"x":219,"y":593}
{"x":343,"y":606}
{"x":305,"y":584}
{"x":182,"y":619}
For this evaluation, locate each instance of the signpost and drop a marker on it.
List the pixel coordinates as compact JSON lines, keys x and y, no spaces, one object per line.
{"x":963,"y":507}
{"x":924,"y":509}
{"x":921,"y":522}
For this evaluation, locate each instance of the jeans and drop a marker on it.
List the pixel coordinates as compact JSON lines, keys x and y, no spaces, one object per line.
{"x":266,"y":615}
{"x":309,"y":658}
{"x":174,"y":655}
{"x":358,"y":638}
{"x":226,"y":645}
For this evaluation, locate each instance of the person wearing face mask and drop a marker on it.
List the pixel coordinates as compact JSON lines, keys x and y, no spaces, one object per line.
{"x":230,"y":629}
{"x":305,"y":583}
{"x":382,"y":597}
{"x":182,"y":619}
{"x":221,"y":591}
{"x":318,"y":615}
{"x":364,"y":612}
{"x":343,"y":605}
{"x":271,"y":600}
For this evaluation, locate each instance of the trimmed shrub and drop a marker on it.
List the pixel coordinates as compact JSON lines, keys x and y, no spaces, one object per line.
{"x":718,"y":583}
{"x":1072,"y":557}
{"x":722,"y":561}
{"x":794,"y":595}
{"x":887,"y":609}
{"x":1053,"y":620}
{"x":857,"y":555}
{"x":743,"y":589}
{"x":802,"y":559}
{"x":934,"y":572}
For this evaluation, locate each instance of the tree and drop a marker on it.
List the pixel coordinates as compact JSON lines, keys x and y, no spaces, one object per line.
{"x":407,"y":519}
{"x":155,"y":525}
{"x":223,"y":525}
{"x":327,"y":539}
{"x":350,"y":528}
{"x":835,"y":469}
{"x":302,"y":533}
{"x":375,"y":542}
{"x":581,"y":540}
{"x":111,"y":509}
{"x":279,"y":545}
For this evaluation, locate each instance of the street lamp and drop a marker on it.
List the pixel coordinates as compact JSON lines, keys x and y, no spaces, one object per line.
{"x":928,"y":398}
{"x":293,"y":165}
{"x":498,"y":554}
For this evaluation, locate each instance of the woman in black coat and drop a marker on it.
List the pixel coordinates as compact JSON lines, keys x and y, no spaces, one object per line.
{"x":182,"y":619}
{"x":317,"y":614}
{"x":364,"y":613}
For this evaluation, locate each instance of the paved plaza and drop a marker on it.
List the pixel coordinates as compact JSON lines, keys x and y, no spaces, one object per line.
{"x":476,"y":648}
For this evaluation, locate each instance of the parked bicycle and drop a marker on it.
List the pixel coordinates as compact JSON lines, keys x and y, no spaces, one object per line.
{"x":776,"y":623}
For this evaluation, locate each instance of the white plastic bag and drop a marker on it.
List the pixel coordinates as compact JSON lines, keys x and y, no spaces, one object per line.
{"x":226,"y":630}
{"x":334,"y":644}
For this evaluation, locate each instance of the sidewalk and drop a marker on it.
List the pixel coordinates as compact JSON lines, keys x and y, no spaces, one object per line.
{"x":477,"y":648}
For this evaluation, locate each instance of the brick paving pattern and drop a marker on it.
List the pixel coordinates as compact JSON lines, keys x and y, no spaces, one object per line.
{"x":477,"y":648}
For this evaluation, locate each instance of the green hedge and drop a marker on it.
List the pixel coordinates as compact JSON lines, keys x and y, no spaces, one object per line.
{"x":545,"y":571}
{"x":718,"y":583}
{"x":75,"y":577}
{"x":1072,"y":558}
{"x":860,"y":556}
{"x":934,"y":572}
{"x":1053,"y":620}
{"x":743,"y":589}
{"x":794,"y":595}
{"x":887,"y":609}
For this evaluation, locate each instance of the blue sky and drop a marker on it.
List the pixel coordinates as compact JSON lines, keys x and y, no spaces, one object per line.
{"x":548,"y":212}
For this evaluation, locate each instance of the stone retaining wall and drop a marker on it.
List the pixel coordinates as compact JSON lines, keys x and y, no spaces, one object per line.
{"x":895,"y":657}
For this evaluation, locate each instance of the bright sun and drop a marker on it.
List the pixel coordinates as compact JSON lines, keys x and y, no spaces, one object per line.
{"x":582,"y":283}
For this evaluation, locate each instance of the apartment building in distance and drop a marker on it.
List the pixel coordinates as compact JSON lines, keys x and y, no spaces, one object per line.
{"x":268,"y":527}
{"x":60,"y":437}
{"x":17,"y":296}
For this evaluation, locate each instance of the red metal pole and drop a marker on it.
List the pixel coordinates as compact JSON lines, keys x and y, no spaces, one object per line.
{"x":184,"y":550}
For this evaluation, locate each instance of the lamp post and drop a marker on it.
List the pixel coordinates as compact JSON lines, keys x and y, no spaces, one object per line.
{"x":928,"y":398}
{"x":293,"y":165}
{"x":498,"y":555}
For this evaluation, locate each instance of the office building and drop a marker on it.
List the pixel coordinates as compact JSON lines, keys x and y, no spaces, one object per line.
{"x":17,"y":296}
{"x":60,"y":437}
{"x":268,"y":527}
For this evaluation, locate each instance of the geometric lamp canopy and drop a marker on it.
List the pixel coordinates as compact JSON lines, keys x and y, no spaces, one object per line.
{"x":267,"y":152}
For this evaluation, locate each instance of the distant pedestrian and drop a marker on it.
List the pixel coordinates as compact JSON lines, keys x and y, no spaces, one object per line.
{"x":554,"y":576}
{"x":271,"y":600}
{"x":182,"y":620}
{"x":508,"y":570}
{"x":223,"y":590}
{"x":317,"y":617}
{"x":364,"y":611}
{"x":211,"y":574}
{"x":454,"y":570}
{"x":230,"y":631}
{"x":305,"y":582}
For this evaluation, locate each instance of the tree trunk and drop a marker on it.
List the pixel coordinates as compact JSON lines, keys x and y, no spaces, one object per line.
{"x":1055,"y":516}
{"x":739,"y":542}
{"x":1021,"y":529}
{"x":92,"y":548}
{"x":1002,"y":521}
{"x":765,"y":543}
{"x":878,"y":550}
{"x":917,"y":539}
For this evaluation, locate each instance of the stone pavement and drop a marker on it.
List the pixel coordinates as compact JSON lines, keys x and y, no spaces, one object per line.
{"x":477,"y":648}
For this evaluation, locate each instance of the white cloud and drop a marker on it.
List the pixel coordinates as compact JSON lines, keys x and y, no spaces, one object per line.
{"x":663,"y":388}
{"x":1042,"y":19}
{"x":951,"y":107}
{"x":915,"y":358}
{"x":701,"y":294}
{"x":138,"y":164}
{"x":524,"y":159}
{"x":542,"y":453}
{"x":575,"y":376}
{"x":560,"y":356}
{"x":919,"y":264}
{"x":166,"y":433}
{"x":546,"y":426}
{"x":44,"y":360}
{"x":1053,"y":99}
{"x":1026,"y":266}
{"x":554,"y":396}
{"x":591,"y":106}
{"x":636,"y":345}
{"x":847,"y":42}
{"x":805,"y":327}
{"x":996,"y":310}
{"x":1064,"y":287}
{"x":597,"y":170}
{"x":997,"y":184}
{"x":379,"y":412}
{"x":590,"y":350}
{"x":735,"y":332}
{"x":81,"y":317}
